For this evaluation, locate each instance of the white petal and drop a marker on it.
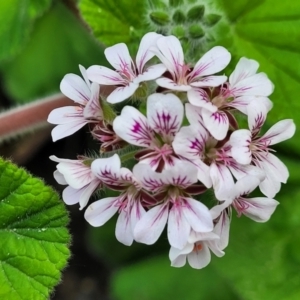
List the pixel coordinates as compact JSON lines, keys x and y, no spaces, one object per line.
{"x":209,"y":81}
{"x":240,"y":141}
{"x":104,"y":75}
{"x":241,"y":103}
{"x":133,"y":127}
{"x":257,"y":113}
{"x":222,"y":182}
{"x":150,"y":73}
{"x":107,"y":169}
{"x":219,"y":209}
{"x":246,"y":185}
{"x":84,"y":75}
{"x":197,"y":215}
{"x":211,"y":62}
{"x":222,"y":230}
{"x":75,"y":88}
{"x":256,"y":85}
{"x":194,"y":114}
{"x":99,"y":212}
{"x":164,"y":114}
{"x":143,"y":55}
{"x":199,"y":259}
{"x":200,"y":98}
{"x":92,"y":109}
{"x":172,"y":85}
{"x":244,"y":68}
{"x":87,"y":192}
{"x":216,"y":123}
{"x":260,"y":209}
{"x":171,"y":53}
{"x":151,"y":225}
{"x":122,"y":93}
{"x":179,"y":261}
{"x":124,"y":232}
{"x":137,"y":211}
{"x":118,"y":56}
{"x":64,"y":130}
{"x":174,"y":252}
{"x":178,"y":227}
{"x":279,"y":132}
{"x":71,"y":196}
{"x":60,"y":178}
{"x":66,"y":114}
{"x":270,"y":187}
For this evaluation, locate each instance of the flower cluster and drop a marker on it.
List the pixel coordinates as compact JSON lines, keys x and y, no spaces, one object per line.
{"x":179,"y":134}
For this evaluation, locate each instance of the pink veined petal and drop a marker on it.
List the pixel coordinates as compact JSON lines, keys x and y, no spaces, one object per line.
{"x":151,"y":73}
{"x":92,"y":109}
{"x":211,"y":62}
{"x":199,"y":259}
{"x":107,"y":169}
{"x":99,"y":212}
{"x":178,"y":227}
{"x":143,"y":55}
{"x":75,"y":88}
{"x":171,"y":54}
{"x":197,"y":215}
{"x":256,"y":85}
{"x":104,"y":75}
{"x":87,"y":193}
{"x":199,"y":97}
{"x":60,"y":178}
{"x":76,"y":174}
{"x":216,"y":123}
{"x":239,"y":171}
{"x":222,"y":230}
{"x":149,"y":228}
{"x":133,"y":127}
{"x":164,"y":114}
{"x":270,"y":187}
{"x":64,"y":130}
{"x":71,"y":196}
{"x":118,"y":56}
{"x":279,"y":132}
{"x":66,"y":114}
{"x":190,"y":142}
{"x":182,"y":174}
{"x":257,"y":113}
{"x":244,"y":69}
{"x":222,"y":181}
{"x":124,"y":233}
{"x":240,"y":141}
{"x":194,"y":115}
{"x":122,"y":93}
{"x":151,"y":181}
{"x":209,"y":81}
{"x":241,"y":103}
{"x":137,"y":211}
{"x":172,"y":85}
{"x":260,"y":209}
{"x":246,"y":185}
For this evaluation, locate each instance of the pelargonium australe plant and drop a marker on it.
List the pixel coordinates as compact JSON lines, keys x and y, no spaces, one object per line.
{"x":177,"y":137}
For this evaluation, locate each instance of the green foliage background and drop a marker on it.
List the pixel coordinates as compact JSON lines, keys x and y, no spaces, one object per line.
{"x":43,"y":40}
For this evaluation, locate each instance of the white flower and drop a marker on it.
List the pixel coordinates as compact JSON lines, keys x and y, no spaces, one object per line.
{"x":196,"y":251}
{"x":258,"y":209}
{"x":70,"y":119}
{"x":184,"y":78}
{"x":176,"y":207}
{"x":78,"y":175}
{"x":164,"y":118}
{"x":128,"y":203}
{"x":128,"y":75}
{"x":248,"y":147}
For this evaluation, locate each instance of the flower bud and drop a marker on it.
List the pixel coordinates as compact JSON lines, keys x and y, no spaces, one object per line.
{"x":159,"y":18}
{"x":175,"y":3}
{"x":196,"y":13}
{"x":178,"y":17}
{"x":196,"y":31}
{"x":211,"y":19}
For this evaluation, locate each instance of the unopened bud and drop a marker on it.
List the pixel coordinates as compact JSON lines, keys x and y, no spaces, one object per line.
{"x":178,"y":17}
{"x":196,"y":31}
{"x":175,"y":3}
{"x":211,"y":19}
{"x":179,"y":32}
{"x":159,"y":18}
{"x":196,"y":13}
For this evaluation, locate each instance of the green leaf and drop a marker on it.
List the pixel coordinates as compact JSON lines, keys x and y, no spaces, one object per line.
{"x":268,"y":31}
{"x":114,"y":21}
{"x":17,"y":18}
{"x":33,"y":235}
{"x":156,"y":279}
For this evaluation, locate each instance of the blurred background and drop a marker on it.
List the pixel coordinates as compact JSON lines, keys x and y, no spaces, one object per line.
{"x":41,"y":41}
